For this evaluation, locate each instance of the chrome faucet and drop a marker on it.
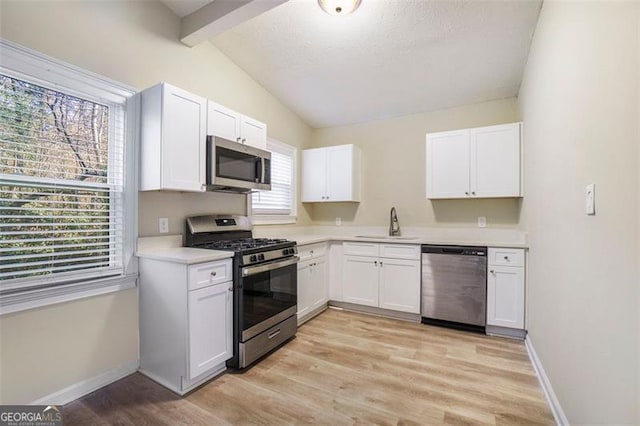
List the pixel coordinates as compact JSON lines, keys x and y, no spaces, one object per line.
{"x":394,"y":225}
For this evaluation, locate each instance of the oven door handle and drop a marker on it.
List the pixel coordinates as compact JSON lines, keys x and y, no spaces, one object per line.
{"x":270,"y":266}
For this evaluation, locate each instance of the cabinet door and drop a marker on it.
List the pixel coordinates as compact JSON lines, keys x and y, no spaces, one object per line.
{"x":223,"y":122}
{"x":253,"y":132}
{"x":448,"y":164}
{"x":305,"y":282}
{"x":495,"y":161}
{"x":360,"y":280}
{"x":340,"y":181}
{"x":184,"y":134}
{"x":210,"y":327}
{"x":314,"y":175}
{"x":320,"y":286}
{"x":505,"y":297}
{"x":400,"y":285}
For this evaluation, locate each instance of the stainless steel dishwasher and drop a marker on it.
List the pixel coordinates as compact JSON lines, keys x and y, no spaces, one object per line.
{"x":454,"y":286}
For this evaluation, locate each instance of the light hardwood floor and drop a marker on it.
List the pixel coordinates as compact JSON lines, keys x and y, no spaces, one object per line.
{"x":346,"y":368}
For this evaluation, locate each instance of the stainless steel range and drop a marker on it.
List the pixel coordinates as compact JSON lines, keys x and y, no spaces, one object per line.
{"x":265,"y":280}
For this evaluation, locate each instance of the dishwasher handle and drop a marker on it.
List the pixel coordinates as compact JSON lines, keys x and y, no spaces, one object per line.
{"x":455,"y":250}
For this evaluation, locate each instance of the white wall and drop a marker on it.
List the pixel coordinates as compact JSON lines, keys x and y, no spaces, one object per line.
{"x":580,"y":105}
{"x":393,"y":161}
{"x":134,"y":42}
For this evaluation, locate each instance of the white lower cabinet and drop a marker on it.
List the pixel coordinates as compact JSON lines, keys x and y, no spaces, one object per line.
{"x":313,"y":286}
{"x":398,"y":289}
{"x":360,"y":280}
{"x":186,"y":321}
{"x":506,"y":289}
{"x":385,"y":282}
{"x":210,"y":345}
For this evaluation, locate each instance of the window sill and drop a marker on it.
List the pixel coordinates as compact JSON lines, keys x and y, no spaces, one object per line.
{"x":22,"y":301}
{"x":273,"y":219}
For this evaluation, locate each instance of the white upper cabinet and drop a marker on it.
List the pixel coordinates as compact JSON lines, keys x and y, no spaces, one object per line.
{"x":173,"y":139}
{"x":229,"y":124}
{"x":448,"y":164}
{"x":223,"y":122}
{"x":483,"y":162}
{"x":331,"y":174}
{"x":495,"y":169}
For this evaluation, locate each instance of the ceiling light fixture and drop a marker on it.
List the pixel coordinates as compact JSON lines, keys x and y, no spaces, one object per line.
{"x":339,"y":7}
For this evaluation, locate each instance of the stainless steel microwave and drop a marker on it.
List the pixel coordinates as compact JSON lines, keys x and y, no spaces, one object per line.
{"x":235,"y":167}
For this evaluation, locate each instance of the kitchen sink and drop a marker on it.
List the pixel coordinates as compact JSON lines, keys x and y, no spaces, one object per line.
{"x":386,"y":237}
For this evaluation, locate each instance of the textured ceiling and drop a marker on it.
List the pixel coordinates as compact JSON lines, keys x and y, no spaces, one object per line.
{"x":388,"y":58}
{"x":183,"y":8}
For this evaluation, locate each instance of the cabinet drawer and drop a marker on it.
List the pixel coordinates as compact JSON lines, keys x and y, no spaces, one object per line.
{"x":311,"y":251}
{"x":400,"y":251}
{"x":506,"y":257}
{"x":207,"y":274}
{"x":360,"y":249}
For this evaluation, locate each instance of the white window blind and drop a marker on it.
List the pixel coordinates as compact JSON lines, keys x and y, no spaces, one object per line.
{"x":61,"y":185}
{"x":280,"y":200}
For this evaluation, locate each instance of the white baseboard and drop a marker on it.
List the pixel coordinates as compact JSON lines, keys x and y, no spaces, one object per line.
{"x":84,"y":387}
{"x":552,"y":399}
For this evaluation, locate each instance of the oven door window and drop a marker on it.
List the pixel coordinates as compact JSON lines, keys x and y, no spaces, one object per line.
{"x":267,"y":294}
{"x":236,"y":165}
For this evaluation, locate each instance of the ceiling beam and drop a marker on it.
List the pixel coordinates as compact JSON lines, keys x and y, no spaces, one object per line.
{"x":219,"y":16}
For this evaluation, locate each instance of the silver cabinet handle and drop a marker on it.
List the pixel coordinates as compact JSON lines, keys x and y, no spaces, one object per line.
{"x":466,"y":193}
{"x":375,"y":263}
{"x":214,"y":273}
{"x":492,"y":271}
{"x":244,"y":140}
{"x":506,"y":258}
{"x":238,"y":139}
{"x":231,"y":289}
{"x":473,"y":193}
{"x":381,"y":264}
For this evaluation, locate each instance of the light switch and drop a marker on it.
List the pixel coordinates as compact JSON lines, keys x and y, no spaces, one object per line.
{"x":163,"y":225}
{"x":482,"y":221}
{"x":590,"y":199}
{"x":338,"y":221}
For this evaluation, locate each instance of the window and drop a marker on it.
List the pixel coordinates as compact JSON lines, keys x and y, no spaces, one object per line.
{"x":63,"y":181}
{"x":279,"y":204}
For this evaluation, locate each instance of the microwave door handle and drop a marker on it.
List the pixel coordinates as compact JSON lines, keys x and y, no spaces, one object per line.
{"x":259,"y":171}
{"x":264,"y":166}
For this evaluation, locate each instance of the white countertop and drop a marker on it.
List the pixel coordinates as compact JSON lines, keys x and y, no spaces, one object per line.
{"x":168,"y":248}
{"x":185,"y":255}
{"x":302,"y":240}
{"x":487,"y":237}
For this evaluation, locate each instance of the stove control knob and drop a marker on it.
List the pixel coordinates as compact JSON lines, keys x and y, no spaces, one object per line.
{"x":253,"y":258}
{"x":261,"y":256}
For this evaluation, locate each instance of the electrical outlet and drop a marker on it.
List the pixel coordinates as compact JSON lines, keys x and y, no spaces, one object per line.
{"x":482,"y":221}
{"x":163,"y":225}
{"x":338,"y":221}
{"x":590,"y":199}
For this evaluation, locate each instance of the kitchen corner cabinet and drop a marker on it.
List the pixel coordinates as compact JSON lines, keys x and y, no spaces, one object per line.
{"x":506,"y":288}
{"x":483,"y":162}
{"x":331,"y":174}
{"x":173,"y":139}
{"x":313,"y":286}
{"x":229,"y":124}
{"x":382,"y":275}
{"x":186,"y":321}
